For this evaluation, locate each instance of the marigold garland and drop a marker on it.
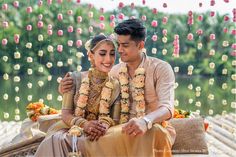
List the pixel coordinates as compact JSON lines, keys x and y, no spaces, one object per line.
{"x":138,"y":83}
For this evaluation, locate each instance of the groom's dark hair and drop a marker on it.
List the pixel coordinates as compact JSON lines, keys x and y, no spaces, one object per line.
{"x":132,"y":27}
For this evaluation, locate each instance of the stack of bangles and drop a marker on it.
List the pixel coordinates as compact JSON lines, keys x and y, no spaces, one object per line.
{"x":77,"y":121}
{"x":107,"y":120}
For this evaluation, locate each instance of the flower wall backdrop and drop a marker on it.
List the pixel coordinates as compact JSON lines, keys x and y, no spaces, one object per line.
{"x":42,"y":40}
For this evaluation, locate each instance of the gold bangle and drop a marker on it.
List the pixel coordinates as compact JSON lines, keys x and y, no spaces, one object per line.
{"x":80,"y":122}
{"x":73,"y":120}
{"x":107,"y":120}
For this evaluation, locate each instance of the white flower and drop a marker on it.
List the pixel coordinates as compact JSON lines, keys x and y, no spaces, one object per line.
{"x":59,"y":98}
{"x":79,"y":68}
{"x":29,"y":85}
{"x":198,"y":89}
{"x":233,"y":104}
{"x":190,"y":101}
{"x":70,"y":61}
{"x":154,"y":50}
{"x":5,"y":76}
{"x":198,"y":94}
{"x":164,"y":51}
{"x":224,"y":86}
{"x":176,"y":103}
{"x":17,"y":111}
{"x":5,"y":58}
{"x":40,"y":53}
{"x":139,"y":71}
{"x":6,"y":115}
{"x":49,"y":96}
{"x":29,"y":71}
{"x":233,"y":77}
{"x":190,"y":67}
{"x":109,"y":85}
{"x":28,"y":45}
{"x":212,"y":52}
{"x":16,"y":67}
{"x":211,"y":112}
{"x":190,"y":86}
{"x":224,"y":58}
{"x":29,"y":97}
{"x":59,"y":63}
{"x":211,"y":81}
{"x":59,"y":79}
{"x":79,"y":55}
{"x":40,"y":37}
{"x":224,"y":71}
{"x":198,"y":104}
{"x":41,"y":100}
{"x":176,"y":85}
{"x":49,"y":65}
{"x":16,"y":79}
{"x":199,"y":46}
{"x":40,"y":69}
{"x":50,"y":48}
{"x":233,"y":90}
{"x":17,"y":55}
{"x":164,"y":39}
{"x":5,"y":96}
{"x":176,"y":69}
{"x":211,"y":97}
{"x":234,"y":63}
{"x":17,"y":99}
{"x":225,"y":43}
{"x":40,"y":83}
{"x":17,"y":89}
{"x":17,"y":117}
{"x":212,"y":65}
{"x":224,"y":102}
{"x":49,"y":77}
{"x":123,"y":69}
{"x":29,"y":59}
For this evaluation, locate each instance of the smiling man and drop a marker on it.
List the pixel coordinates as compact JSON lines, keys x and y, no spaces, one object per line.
{"x":146,"y":100}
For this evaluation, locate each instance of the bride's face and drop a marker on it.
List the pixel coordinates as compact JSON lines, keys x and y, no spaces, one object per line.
{"x":104,"y":57}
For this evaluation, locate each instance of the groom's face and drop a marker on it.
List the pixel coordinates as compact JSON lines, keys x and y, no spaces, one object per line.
{"x":128,"y":49}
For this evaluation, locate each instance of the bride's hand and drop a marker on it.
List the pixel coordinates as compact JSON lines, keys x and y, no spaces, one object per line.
{"x":94,"y":129}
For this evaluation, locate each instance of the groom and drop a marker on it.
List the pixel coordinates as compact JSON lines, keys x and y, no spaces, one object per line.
{"x":157,"y":94}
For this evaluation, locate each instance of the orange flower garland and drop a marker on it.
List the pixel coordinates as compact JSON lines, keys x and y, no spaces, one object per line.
{"x":36,"y":109}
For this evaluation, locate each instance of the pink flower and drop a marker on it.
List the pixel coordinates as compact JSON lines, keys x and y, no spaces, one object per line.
{"x":49,"y":32}
{"x":212,"y":13}
{"x":121,"y":16}
{"x":190,"y":36}
{"x":144,"y":2}
{"x":233,"y":32}
{"x":212,"y":3}
{"x":16,"y":38}
{"x":79,"y":30}
{"x":233,"y":53}
{"x":60,"y":32}
{"x":121,"y":5}
{"x":29,"y":27}
{"x":132,"y":6}
{"x":59,"y":1}
{"x":112,"y":24}
{"x":225,"y":30}
{"x":144,"y":18}
{"x":40,"y":24}
{"x":29,"y":9}
{"x":49,"y":2}
{"x":200,"y":18}
{"x":176,"y":36}
{"x":4,"y":41}
{"x":233,"y":46}
{"x":164,"y":20}
{"x":102,"y":10}
{"x":5,"y":6}
{"x":40,"y":17}
{"x":190,"y":13}
{"x":164,"y":32}
{"x":90,"y":6}
{"x":59,"y":48}
{"x":101,"y":18}
{"x":226,"y":18}
{"x":70,"y":29}
{"x":79,"y":19}
{"x":226,"y":1}
{"x":78,"y":1}
{"x":154,"y":37}
{"x":234,"y":11}
{"x":90,"y":29}
{"x":5,"y":24}
{"x":234,"y":19}
{"x":154,"y":10}
{"x":164,"y":5}
{"x":212,"y":36}
{"x":69,"y":12}
{"x":102,"y":26}
{"x":154,"y":23}
{"x":132,"y":17}
{"x":60,"y":17}
{"x":112,"y":17}
{"x":49,"y":26}
{"x":40,"y":3}
{"x":200,"y":4}
{"x":16,"y":4}
{"x":199,"y":32}
{"x":79,"y":43}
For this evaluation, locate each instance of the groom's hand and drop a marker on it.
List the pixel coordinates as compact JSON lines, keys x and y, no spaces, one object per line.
{"x":66,"y":84}
{"x":135,"y":127}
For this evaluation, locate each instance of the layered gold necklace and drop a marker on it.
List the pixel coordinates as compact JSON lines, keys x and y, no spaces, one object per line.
{"x":87,"y":99}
